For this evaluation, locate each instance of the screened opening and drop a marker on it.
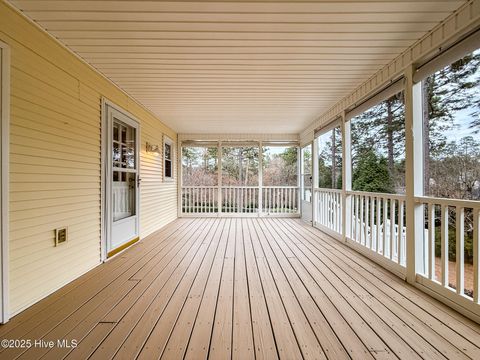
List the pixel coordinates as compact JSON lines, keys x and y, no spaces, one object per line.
{"x":378,"y":147}
{"x":280,"y":165}
{"x":451,"y":125}
{"x":450,"y":99}
{"x":240,"y":165}
{"x":199,"y":166}
{"x":329,"y":146}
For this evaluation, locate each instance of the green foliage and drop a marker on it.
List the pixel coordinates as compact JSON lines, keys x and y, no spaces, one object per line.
{"x":371,"y":174}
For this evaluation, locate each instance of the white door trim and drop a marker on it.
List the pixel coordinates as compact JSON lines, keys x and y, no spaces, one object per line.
{"x":4,"y":178}
{"x":105,"y":171}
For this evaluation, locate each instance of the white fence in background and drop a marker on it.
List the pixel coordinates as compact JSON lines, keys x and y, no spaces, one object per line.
{"x":240,"y":200}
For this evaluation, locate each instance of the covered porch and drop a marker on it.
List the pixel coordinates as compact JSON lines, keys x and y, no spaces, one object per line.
{"x":242,"y":288}
{"x":249,"y":180}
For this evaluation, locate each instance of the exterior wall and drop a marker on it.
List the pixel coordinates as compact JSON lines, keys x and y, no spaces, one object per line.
{"x":55,"y":165}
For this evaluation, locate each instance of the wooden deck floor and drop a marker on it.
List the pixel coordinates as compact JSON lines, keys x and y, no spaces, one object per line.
{"x":244,"y":289}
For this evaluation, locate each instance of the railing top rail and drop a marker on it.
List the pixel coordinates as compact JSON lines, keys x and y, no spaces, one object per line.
{"x":450,"y":202}
{"x":236,"y":187}
{"x":381,"y":195}
{"x":338,"y":191}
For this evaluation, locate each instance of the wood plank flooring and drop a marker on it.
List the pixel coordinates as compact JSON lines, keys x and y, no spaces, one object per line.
{"x":241,"y":289}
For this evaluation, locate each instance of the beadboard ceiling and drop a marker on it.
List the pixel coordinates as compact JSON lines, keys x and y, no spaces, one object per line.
{"x":237,"y":67}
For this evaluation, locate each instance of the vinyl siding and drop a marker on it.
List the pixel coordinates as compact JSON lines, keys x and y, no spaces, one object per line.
{"x":55,"y":170}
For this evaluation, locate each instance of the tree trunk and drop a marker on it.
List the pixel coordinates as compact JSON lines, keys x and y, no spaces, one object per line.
{"x":391,"y":163}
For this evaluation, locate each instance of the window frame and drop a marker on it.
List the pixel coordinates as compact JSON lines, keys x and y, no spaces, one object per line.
{"x":168,"y":141}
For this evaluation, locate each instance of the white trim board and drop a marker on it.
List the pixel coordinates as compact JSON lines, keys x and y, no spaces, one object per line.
{"x":4,"y":177}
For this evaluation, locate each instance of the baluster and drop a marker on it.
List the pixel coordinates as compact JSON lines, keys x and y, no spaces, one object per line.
{"x":357,"y":219}
{"x":476,"y":257}
{"x":431,"y":241}
{"x":400,"y":244}
{"x":377,"y":238}
{"x":385,"y":212}
{"x":460,"y":224}
{"x":392,"y":228}
{"x":444,"y":245}
{"x":372,"y":219}
{"x":361,"y":219}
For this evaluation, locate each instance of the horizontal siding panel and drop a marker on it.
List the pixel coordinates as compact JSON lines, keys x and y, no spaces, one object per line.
{"x":42,"y":251}
{"x":89,"y":219}
{"x":55,"y":154}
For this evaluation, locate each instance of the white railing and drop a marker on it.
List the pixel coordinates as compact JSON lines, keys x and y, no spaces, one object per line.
{"x":199,"y":199}
{"x":451,"y":245}
{"x":377,"y":222}
{"x":280,"y":200}
{"x":240,"y":199}
{"x":276,"y":200}
{"x":328,"y":212}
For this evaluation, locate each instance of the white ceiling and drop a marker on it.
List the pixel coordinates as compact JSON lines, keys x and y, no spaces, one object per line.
{"x":237,"y":67}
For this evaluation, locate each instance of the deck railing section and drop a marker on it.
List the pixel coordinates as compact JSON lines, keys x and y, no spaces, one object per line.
{"x":199,"y":199}
{"x":451,"y":245}
{"x":328,"y":212}
{"x":377,"y":222}
{"x":280,"y":199}
{"x":275,"y":200}
{"x":240,"y":199}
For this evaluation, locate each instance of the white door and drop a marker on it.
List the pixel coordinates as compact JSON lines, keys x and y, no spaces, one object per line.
{"x":122,"y":181}
{"x":306,"y":184}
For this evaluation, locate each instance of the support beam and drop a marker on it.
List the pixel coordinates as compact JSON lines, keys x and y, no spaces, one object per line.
{"x":260,"y":176}
{"x":219,"y":177}
{"x":413,"y":177}
{"x":347,"y":177}
{"x":315,"y":174}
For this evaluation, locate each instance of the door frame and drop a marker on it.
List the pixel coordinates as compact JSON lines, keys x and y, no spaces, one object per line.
{"x":106,"y":184}
{"x":4,"y":178}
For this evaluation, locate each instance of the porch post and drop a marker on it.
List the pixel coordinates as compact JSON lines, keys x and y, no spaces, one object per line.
{"x":413,"y":176}
{"x":346,"y":177}
{"x":314,"y":181}
{"x":260,"y":177}
{"x":219,"y":177}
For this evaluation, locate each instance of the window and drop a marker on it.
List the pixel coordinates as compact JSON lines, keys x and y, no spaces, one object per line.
{"x":378,"y":147}
{"x":168,"y":159}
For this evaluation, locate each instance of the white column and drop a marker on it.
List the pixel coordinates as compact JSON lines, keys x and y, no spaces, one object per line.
{"x":413,"y":176}
{"x":314,"y":181}
{"x":346,"y":178}
{"x":260,"y":177}
{"x":219,"y":176}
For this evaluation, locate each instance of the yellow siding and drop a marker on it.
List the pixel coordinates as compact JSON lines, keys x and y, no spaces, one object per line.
{"x":55,"y":162}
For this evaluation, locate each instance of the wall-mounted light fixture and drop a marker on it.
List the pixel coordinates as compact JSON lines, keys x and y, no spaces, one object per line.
{"x":151,"y":148}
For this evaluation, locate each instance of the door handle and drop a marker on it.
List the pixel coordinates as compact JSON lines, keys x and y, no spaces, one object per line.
{"x":138,"y":181}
